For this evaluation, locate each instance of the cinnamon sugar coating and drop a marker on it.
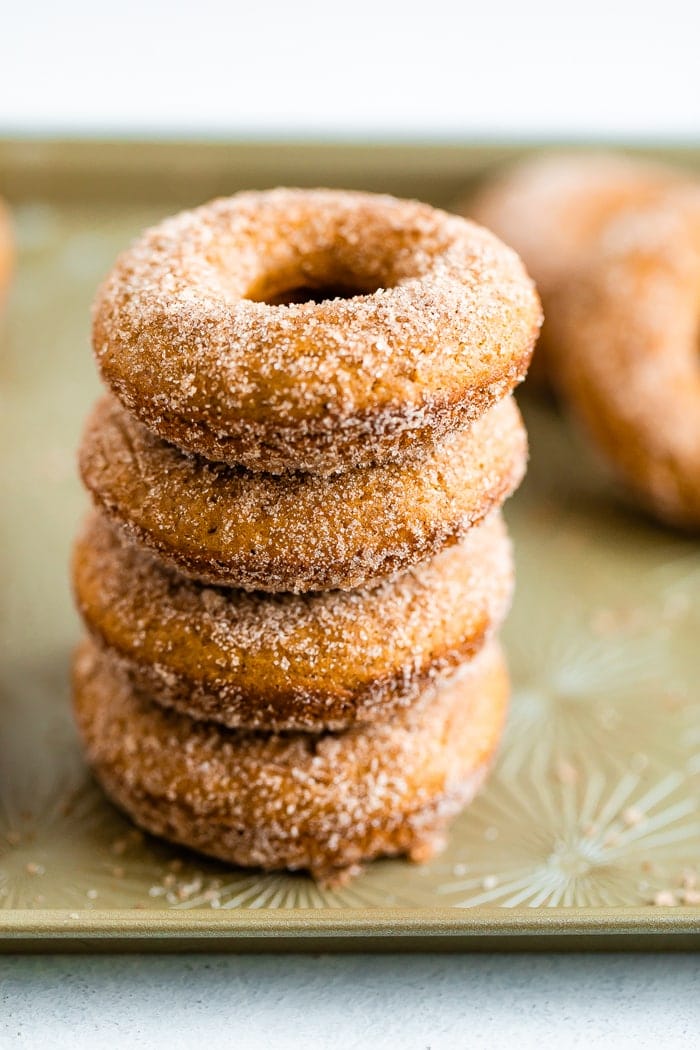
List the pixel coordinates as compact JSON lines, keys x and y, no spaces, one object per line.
{"x":551,"y":208}
{"x":298,"y":532}
{"x":313,"y":662}
{"x":442,"y":326}
{"x":627,"y":359}
{"x":324,"y":803}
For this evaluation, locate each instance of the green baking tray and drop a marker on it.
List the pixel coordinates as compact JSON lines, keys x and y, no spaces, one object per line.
{"x":591,"y":820}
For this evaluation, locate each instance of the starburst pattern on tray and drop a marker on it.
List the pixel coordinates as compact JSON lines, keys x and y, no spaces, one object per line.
{"x":574,"y":691}
{"x":582,"y":839}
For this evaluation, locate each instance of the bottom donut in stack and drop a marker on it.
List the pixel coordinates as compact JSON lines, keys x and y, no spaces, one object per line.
{"x":324,"y":802}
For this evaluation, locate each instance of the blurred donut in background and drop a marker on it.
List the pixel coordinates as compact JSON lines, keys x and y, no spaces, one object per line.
{"x":627,"y":358}
{"x":6,"y":249}
{"x":552,"y":207}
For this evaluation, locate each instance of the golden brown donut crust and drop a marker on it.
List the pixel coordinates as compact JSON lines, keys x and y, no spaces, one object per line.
{"x":628,"y":361}
{"x":443,"y":328}
{"x":324,"y":803}
{"x":316,"y":661}
{"x":299,"y":532}
{"x":552,"y":207}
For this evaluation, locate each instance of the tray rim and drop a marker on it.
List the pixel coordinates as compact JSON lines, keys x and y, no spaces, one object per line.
{"x":390,"y":929}
{"x":169,"y":166}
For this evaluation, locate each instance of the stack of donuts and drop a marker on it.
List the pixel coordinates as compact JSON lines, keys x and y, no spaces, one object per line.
{"x":296,"y":567}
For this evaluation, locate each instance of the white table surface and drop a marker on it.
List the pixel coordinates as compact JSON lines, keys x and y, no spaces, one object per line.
{"x":436,"y":68}
{"x":504,"y":69}
{"x":512,"y":1002}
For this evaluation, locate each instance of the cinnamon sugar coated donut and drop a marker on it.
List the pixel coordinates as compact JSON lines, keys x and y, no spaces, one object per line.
{"x":199,"y":332}
{"x":628,"y":361}
{"x":312,"y":662}
{"x":324,"y":803}
{"x":551,"y":208}
{"x":299,"y":532}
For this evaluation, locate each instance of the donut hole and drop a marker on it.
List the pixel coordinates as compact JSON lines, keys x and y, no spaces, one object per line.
{"x":313,"y":284}
{"x":309,"y":293}
{"x":336,"y":264}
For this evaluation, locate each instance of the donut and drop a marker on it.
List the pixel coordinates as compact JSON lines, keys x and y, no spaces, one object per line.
{"x":6,"y":249}
{"x":311,"y":662}
{"x":297,"y":532}
{"x":627,"y":360}
{"x":325,"y":803}
{"x":313,"y":330}
{"x":551,"y":208}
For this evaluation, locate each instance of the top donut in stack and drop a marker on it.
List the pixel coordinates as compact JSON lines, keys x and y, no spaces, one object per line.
{"x":298,"y":474}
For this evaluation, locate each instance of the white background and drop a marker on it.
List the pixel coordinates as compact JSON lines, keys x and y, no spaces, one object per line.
{"x":602,"y":68}
{"x":424,"y":1002}
{"x":435,"y":70}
